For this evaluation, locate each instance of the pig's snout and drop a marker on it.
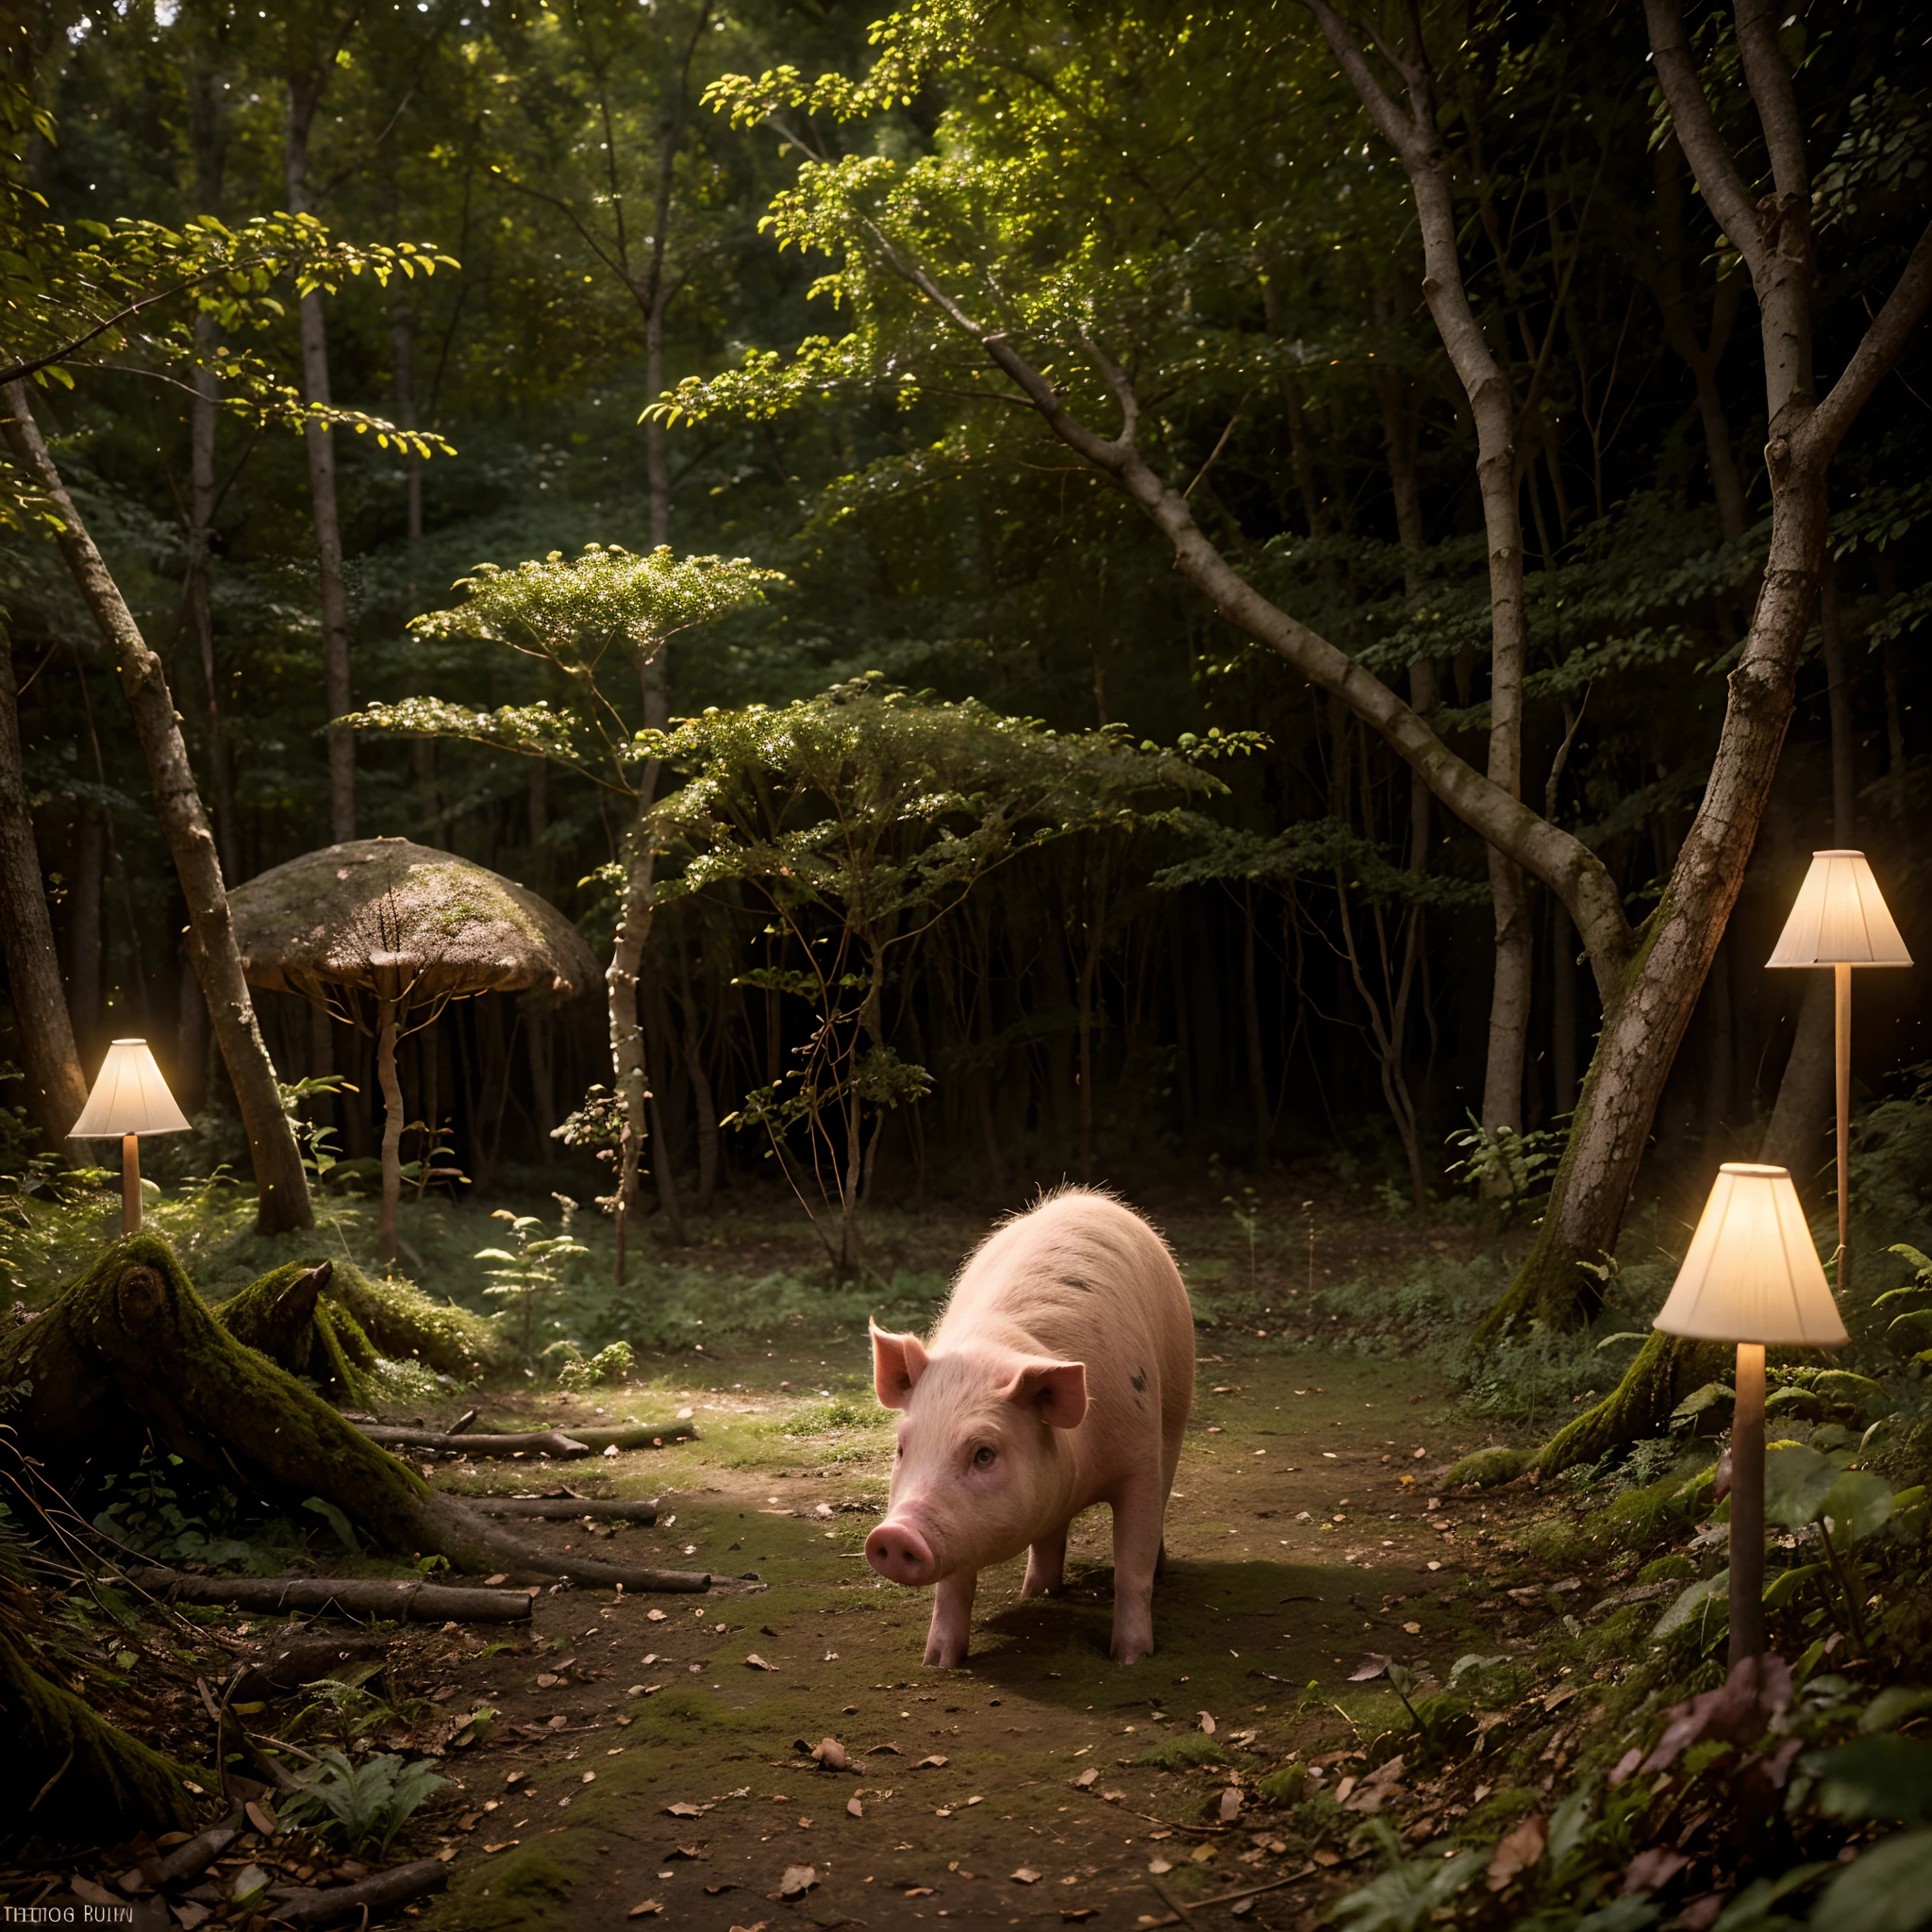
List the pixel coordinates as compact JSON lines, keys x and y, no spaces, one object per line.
{"x":899,"y":1553}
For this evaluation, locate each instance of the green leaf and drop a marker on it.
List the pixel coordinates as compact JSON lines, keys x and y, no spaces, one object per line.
{"x":1857,"y":1506}
{"x":1787,"y":1584}
{"x":1882,"y":1776}
{"x":1893,"y":1706}
{"x":336,"y":1521}
{"x":1887,"y":1890}
{"x":1696,"y":1602}
{"x":1796,"y":1482}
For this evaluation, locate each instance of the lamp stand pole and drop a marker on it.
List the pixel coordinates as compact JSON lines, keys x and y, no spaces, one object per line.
{"x":1842,"y":975}
{"x":1747,"y":1505}
{"x":130,"y":1184}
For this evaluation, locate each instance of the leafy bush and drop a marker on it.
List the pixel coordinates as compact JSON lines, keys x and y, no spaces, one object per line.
{"x":362,"y":1806}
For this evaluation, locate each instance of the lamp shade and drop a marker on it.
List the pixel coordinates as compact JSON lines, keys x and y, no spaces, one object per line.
{"x":129,"y":1097}
{"x":1752,"y":1273}
{"x":1840,"y":918}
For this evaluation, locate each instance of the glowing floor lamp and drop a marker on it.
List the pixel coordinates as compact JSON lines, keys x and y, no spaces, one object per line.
{"x":1751,"y":1276}
{"x":1841,"y":920}
{"x":129,"y":1099}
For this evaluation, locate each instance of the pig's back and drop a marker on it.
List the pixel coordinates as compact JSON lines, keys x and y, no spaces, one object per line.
{"x":1083,"y":1278}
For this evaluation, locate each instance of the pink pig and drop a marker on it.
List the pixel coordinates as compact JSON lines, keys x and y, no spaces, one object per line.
{"x":1060,"y":1376}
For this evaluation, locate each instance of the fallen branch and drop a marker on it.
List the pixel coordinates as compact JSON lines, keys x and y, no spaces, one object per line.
{"x":376,"y":1895}
{"x":563,"y":1508}
{"x":350,"y":1596}
{"x":1181,"y":1911}
{"x":189,"y":1860}
{"x":532,"y":1442}
{"x":636,"y":1435}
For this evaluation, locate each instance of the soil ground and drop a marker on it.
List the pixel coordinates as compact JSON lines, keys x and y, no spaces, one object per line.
{"x":657,"y":1750}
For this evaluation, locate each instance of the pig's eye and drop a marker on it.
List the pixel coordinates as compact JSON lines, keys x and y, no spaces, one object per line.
{"x":983,"y":1458}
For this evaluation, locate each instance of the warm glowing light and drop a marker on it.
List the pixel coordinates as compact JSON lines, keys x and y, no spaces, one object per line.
{"x":129,"y":1097}
{"x":1752,"y":1273}
{"x":1840,"y":918}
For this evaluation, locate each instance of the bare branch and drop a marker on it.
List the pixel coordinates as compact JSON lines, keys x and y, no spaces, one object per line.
{"x":1874,"y":357}
{"x":1729,"y":199}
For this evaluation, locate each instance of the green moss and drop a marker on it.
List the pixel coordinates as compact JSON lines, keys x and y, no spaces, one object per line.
{"x":517,"y":1892}
{"x":328,"y":1347}
{"x":1486,"y":1468}
{"x":406,"y":1324}
{"x":1183,"y":1753}
{"x":131,"y":1341}
{"x":1285,"y":1786}
{"x":1666,"y":1369}
{"x":76,"y":1772}
{"x":1666,"y":1570}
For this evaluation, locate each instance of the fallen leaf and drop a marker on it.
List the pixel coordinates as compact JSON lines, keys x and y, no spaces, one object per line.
{"x":1519,"y":1849}
{"x":1158,"y":1867}
{"x":757,"y":1663}
{"x":1327,"y":1859}
{"x":1240,"y":1908}
{"x":892,"y":1748}
{"x":501,"y":1576}
{"x":503,"y":1845}
{"x":1230,"y":1804}
{"x":1075,"y":1915}
{"x":831,"y":1753}
{"x":1086,"y":1778}
{"x":798,"y":1881}
{"x":687,"y":1852}
{"x":189,"y":1915}
{"x":1413,"y":1629}
{"x":757,"y":1926}
{"x":1106,"y":1797}
{"x":932,"y":1763}
{"x":1208,"y":1721}
{"x":854,"y":1808}
{"x":918,"y":1891}
{"x":1025,"y":1875}
{"x":645,"y":1908}
{"x":248,"y":1883}
{"x":545,"y":1679}
{"x":654,"y":1616}
{"x":261,"y":1819}
{"x":1202,"y":1855}
{"x":1370,"y":1666}
{"x":723,"y":1885}
{"x":88,"y":1893}
{"x":1653,"y":1868}
{"x":681,"y":1810}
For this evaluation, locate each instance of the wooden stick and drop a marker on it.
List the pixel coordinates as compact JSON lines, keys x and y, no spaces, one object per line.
{"x":377,"y":1894}
{"x":563,"y":1508}
{"x":534,"y":1443}
{"x":421,"y":1602}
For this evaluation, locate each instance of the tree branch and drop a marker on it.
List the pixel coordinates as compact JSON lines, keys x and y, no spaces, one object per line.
{"x":1730,"y":200}
{"x":1768,"y":74}
{"x":1873,"y":360}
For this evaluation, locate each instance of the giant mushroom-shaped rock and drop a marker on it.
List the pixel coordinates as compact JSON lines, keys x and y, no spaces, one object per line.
{"x":384,"y":933}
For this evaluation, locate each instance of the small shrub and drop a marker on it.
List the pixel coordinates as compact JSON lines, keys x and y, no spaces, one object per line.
{"x":362,"y":1806}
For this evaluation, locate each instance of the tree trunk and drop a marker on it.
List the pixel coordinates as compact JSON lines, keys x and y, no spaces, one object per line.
{"x":56,"y":1087}
{"x":392,"y":1133}
{"x":207,"y":135}
{"x":282,"y":1188}
{"x":84,"y":950}
{"x":304,"y":96}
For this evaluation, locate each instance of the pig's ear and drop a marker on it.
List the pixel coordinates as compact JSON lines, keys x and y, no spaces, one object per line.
{"x":1055,"y":1392}
{"x":897,"y":1363}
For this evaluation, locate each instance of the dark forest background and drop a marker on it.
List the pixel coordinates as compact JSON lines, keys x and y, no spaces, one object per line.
{"x":1200,"y":972}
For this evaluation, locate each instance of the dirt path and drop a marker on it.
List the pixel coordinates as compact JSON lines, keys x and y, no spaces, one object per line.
{"x":658,"y":1764}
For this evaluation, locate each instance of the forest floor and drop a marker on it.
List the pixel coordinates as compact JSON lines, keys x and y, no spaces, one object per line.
{"x":649,"y":1758}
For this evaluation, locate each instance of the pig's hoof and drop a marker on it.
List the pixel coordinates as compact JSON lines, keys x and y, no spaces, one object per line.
{"x":1130,"y":1650}
{"x":944,"y":1657}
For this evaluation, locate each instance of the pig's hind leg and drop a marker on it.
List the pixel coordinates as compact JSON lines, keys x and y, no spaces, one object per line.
{"x":952,"y":1620}
{"x":1137,"y":1553}
{"x":1046,"y":1563}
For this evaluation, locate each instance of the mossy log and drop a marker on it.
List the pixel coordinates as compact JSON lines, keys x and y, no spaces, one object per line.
{"x":1666,"y":1370}
{"x":284,"y":1316}
{"x":131,"y":1349}
{"x":404,"y":1324}
{"x":68,"y":1773}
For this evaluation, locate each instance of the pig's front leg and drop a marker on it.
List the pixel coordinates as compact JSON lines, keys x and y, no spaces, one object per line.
{"x":1046,"y":1563}
{"x":1137,"y":1550}
{"x":952,"y":1620}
